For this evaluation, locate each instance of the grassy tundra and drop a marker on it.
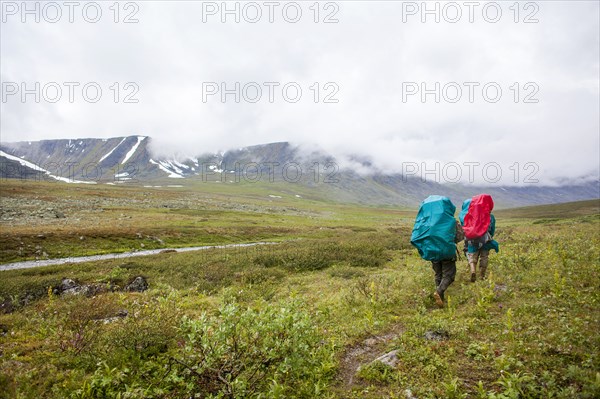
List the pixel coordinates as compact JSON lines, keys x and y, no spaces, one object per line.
{"x":340,"y":287}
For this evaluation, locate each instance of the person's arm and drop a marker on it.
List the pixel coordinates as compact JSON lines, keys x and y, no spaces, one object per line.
{"x":459,"y":234}
{"x":492,"y":225}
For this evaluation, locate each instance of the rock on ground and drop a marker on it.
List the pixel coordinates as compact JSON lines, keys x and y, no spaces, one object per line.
{"x":389,"y":359}
{"x":437,"y":335}
{"x":139,"y":284}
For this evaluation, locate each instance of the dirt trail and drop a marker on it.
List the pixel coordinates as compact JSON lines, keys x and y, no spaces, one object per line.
{"x":362,"y":353}
{"x":50,"y":262}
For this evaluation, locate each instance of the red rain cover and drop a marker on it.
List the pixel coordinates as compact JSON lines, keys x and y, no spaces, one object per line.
{"x":477,"y":219}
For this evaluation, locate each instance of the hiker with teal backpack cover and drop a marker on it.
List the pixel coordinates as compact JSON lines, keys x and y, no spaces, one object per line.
{"x":478,"y":248}
{"x":435,"y":234}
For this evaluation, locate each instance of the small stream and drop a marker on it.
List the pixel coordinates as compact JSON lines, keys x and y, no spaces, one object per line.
{"x":79,"y":259}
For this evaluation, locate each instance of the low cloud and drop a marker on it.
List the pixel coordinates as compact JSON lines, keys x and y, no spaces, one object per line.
{"x":356,"y":77}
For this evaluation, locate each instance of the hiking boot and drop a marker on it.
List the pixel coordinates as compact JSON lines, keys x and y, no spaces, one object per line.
{"x":438,"y":299}
{"x":473,"y":270}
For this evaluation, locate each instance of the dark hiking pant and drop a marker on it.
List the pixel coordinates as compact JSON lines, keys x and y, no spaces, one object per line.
{"x":445,"y":271}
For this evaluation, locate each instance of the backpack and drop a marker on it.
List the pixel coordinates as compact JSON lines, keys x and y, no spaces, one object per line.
{"x":464,"y":210}
{"x":476,"y":219}
{"x":434,"y":231}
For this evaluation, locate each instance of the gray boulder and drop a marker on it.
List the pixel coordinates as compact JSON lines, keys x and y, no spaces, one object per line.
{"x":390,"y":359}
{"x":68,"y":287}
{"x":139,"y":284}
{"x":437,"y":335}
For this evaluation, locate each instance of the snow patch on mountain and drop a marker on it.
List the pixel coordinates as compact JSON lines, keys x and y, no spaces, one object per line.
{"x":22,"y":162}
{"x":161,"y":165}
{"x":133,"y":149}
{"x":215,"y":169}
{"x":37,"y":168}
{"x":180,"y":165}
{"x":111,"y":151}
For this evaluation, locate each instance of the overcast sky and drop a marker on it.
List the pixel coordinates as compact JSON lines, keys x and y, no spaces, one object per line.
{"x":377,"y":58}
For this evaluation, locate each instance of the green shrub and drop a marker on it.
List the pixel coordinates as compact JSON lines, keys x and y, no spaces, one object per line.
{"x":148,"y":329}
{"x":240,"y":353}
{"x":378,"y":372}
{"x":76,"y":322}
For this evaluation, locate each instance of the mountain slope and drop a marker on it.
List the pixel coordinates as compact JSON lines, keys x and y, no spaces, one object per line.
{"x":270,"y":166}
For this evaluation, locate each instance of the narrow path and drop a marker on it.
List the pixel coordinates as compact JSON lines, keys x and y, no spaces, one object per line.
{"x":79,"y":259}
{"x":362,"y":353}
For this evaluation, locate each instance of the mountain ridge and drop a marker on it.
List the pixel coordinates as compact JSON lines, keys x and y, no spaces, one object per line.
{"x":129,"y":160}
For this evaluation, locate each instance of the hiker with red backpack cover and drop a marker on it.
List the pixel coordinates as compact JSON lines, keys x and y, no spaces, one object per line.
{"x":479,"y":226}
